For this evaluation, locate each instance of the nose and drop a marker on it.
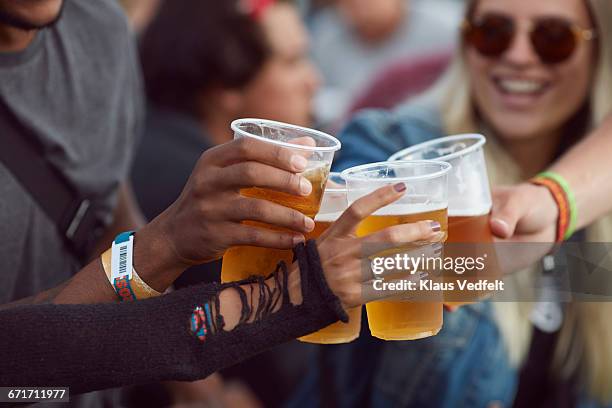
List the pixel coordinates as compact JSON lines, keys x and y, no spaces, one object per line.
{"x":521,"y":51}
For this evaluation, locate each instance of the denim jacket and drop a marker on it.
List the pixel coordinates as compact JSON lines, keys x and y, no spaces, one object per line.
{"x":465,"y":365}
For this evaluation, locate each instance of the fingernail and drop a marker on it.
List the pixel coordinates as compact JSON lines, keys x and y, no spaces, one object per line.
{"x":309,"y":224}
{"x":435,"y":226}
{"x":437,"y":246}
{"x":297,"y":239}
{"x":305,"y":186}
{"x":399,"y":187}
{"x":299,"y":162}
{"x":423,"y":275}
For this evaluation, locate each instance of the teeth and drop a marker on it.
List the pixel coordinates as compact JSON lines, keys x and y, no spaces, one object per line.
{"x":520,"y":86}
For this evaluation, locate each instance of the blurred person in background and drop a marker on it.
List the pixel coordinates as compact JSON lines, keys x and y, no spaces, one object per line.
{"x":205,"y":64}
{"x":535,"y":77}
{"x":355,"y":39}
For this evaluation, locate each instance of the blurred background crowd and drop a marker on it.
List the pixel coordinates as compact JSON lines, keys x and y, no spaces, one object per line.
{"x":314,"y":63}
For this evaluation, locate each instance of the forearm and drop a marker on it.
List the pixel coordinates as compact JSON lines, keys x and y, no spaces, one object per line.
{"x":91,"y":347}
{"x":587,"y":168}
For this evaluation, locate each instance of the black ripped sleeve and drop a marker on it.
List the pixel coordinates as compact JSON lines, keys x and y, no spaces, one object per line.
{"x":92,"y":347}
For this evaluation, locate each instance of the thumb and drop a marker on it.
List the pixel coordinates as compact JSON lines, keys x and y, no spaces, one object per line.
{"x":504,"y":215}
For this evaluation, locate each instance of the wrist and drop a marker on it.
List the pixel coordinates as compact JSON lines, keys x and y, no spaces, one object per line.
{"x":154,"y":258}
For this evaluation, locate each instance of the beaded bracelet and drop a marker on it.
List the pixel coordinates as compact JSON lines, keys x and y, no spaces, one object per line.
{"x":564,"y":197}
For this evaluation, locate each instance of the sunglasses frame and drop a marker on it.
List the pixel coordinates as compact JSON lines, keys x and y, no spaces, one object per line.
{"x":580,"y":34}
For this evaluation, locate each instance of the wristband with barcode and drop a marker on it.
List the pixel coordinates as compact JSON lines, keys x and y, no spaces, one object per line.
{"x":118,"y":266}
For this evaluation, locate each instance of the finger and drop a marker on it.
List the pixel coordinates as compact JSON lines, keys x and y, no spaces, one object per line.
{"x":421,"y":232}
{"x":254,"y":209}
{"x":365,"y":206}
{"x":242,"y":234}
{"x":250,"y":149}
{"x":505,"y":214}
{"x":254,"y":174}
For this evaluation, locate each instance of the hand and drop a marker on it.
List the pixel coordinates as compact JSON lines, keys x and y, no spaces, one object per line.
{"x":207,"y":217}
{"x":342,"y":252}
{"x":524,"y":213}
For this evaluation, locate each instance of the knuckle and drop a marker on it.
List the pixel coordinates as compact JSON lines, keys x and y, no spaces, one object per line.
{"x":249,"y":173}
{"x":254,"y":209}
{"x":253,"y":236}
{"x":356,"y":211}
{"x":292,"y":181}
{"x":392,"y":235}
{"x":243,"y":146}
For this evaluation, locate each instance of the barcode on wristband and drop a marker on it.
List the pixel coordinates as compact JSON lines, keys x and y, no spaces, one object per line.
{"x":34,"y":394}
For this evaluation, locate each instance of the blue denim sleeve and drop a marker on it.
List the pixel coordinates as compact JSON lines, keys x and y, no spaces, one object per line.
{"x":374,"y":135}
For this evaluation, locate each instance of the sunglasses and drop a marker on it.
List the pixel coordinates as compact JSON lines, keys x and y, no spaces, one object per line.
{"x":553,"y":39}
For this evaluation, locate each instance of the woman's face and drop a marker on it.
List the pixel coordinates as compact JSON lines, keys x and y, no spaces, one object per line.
{"x":519,"y":96}
{"x":285,"y":86}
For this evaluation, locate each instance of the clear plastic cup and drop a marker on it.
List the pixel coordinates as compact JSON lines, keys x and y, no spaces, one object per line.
{"x":333,"y":205}
{"x":425,"y":199}
{"x":244,"y":261}
{"x":469,"y":199}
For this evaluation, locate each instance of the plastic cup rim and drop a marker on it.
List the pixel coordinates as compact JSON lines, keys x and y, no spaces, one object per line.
{"x":445,"y":169}
{"x":481,"y":140}
{"x":235,"y":126}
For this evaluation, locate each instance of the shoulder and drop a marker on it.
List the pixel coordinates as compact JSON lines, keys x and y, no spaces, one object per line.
{"x":99,"y":24}
{"x":375,"y":134}
{"x":103,"y":15}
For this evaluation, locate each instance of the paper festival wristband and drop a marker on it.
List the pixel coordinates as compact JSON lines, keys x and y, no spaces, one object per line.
{"x":130,"y":286}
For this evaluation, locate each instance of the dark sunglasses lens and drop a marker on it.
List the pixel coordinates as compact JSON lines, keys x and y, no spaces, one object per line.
{"x":553,"y":40}
{"x":490,"y":35}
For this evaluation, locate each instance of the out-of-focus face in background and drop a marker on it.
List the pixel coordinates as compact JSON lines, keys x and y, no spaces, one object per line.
{"x":373,"y":20}
{"x":30,"y":14}
{"x":517,"y":94}
{"x":284,"y":87}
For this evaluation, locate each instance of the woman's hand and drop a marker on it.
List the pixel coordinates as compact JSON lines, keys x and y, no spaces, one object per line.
{"x":342,"y":253}
{"x":524,"y":213}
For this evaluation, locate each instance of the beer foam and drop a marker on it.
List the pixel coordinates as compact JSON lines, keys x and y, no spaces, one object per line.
{"x":471,"y":212}
{"x":328,"y":217}
{"x":409,"y":209}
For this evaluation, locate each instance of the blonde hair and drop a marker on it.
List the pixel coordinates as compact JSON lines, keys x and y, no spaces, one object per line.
{"x":585,"y":341}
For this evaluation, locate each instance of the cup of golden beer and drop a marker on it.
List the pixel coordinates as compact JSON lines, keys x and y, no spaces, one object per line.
{"x":469,"y":204}
{"x":332,"y":206}
{"x":244,"y":261}
{"x":425,"y":199}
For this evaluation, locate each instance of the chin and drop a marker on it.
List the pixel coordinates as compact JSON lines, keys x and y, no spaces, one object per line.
{"x":516,"y":128}
{"x":31,"y":14}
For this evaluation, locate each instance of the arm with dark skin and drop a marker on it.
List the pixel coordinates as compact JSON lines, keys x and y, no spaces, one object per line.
{"x":204,"y":221}
{"x":162,"y":348}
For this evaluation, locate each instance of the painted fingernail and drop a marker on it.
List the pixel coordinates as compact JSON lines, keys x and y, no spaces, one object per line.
{"x":297,"y":239}
{"x":309,"y":224}
{"x":437,"y":246}
{"x":435,"y":226}
{"x":399,"y":187}
{"x":305,"y":186}
{"x":299,"y":162}
{"x":423,"y":275}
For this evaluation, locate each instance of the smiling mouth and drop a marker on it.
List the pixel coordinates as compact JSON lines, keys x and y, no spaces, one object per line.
{"x":520,"y":87}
